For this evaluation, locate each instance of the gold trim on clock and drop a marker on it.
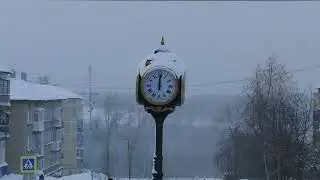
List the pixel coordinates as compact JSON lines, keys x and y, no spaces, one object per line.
{"x":148,"y":98}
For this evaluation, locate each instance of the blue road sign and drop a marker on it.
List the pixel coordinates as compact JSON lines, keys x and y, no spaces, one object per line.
{"x":28,"y":164}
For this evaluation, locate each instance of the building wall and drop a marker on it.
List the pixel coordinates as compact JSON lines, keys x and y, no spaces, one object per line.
{"x":16,"y":145}
{"x":4,"y":119}
{"x":71,"y":116}
{"x":80,"y":135}
{"x":42,"y":142}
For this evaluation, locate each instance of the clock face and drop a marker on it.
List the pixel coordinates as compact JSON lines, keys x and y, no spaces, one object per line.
{"x":159,"y":86}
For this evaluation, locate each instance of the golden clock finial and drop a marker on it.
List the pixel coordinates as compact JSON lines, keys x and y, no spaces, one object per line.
{"x":162,"y":41}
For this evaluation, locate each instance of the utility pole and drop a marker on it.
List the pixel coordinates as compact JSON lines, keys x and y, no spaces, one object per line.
{"x":90,"y":98}
{"x":90,"y":108}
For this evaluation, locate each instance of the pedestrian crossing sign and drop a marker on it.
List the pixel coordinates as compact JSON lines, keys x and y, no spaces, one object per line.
{"x":28,"y":164}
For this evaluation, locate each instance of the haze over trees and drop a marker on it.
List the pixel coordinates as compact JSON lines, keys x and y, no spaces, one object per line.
{"x":264,"y":132}
{"x":270,"y":129}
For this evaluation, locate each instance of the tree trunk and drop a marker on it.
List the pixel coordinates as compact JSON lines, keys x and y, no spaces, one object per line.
{"x":265,"y":162}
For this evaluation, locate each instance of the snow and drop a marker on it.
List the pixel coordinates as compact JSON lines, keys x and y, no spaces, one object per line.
{"x":5,"y":69}
{"x":87,"y":175}
{"x":165,"y":58}
{"x":25,"y":90}
{"x":82,"y":176}
{"x":3,"y":164}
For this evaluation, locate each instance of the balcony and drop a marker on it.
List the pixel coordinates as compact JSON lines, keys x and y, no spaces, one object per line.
{"x":4,"y":122}
{"x":37,"y":150}
{"x":80,"y":126}
{"x":57,"y":123}
{"x":5,"y":100}
{"x":56,"y":146}
{"x":37,"y":126}
{"x":80,"y":145}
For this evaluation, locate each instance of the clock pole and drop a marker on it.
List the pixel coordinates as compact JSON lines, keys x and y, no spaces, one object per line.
{"x":159,"y":118}
{"x":160,"y":109}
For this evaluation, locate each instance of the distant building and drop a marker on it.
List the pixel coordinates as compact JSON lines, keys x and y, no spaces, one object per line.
{"x":37,"y":124}
{"x":4,"y":117}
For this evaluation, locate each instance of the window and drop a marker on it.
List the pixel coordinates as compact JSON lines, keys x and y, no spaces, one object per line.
{"x":47,"y":137}
{"x":4,"y":118}
{"x":46,"y":162}
{"x":79,"y":140}
{"x":2,"y":151}
{"x":35,"y":115}
{"x":28,"y":115}
{"x":4,"y":87}
{"x":54,"y":135}
{"x":79,"y":153}
{"x":47,"y":115}
{"x":40,"y":164}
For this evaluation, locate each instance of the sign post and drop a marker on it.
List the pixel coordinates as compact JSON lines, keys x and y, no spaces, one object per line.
{"x":28,"y":167}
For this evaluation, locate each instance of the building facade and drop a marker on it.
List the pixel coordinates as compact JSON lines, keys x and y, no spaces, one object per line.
{"x":4,"y":118}
{"x":37,"y":131}
{"x":73,"y":145}
{"x":37,"y":122}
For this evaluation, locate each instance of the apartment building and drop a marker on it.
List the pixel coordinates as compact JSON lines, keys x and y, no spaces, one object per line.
{"x":72,"y":161}
{"x":37,"y":125}
{"x":4,"y":117}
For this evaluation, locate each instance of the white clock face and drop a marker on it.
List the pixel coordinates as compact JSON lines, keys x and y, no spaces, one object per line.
{"x":159,"y":86}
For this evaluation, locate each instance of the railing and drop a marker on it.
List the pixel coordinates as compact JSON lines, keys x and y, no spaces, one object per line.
{"x":80,"y":126}
{"x":37,"y":126}
{"x":4,"y":121}
{"x":57,"y":123}
{"x":37,"y":150}
{"x":80,"y":144}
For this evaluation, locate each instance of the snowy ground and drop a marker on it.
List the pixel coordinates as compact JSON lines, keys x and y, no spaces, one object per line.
{"x":87,"y":176}
{"x":83,"y":176}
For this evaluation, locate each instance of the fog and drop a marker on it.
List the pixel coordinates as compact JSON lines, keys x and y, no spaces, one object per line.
{"x":190,"y":137}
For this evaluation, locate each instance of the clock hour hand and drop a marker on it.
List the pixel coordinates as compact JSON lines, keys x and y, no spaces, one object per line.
{"x":159,"y":82}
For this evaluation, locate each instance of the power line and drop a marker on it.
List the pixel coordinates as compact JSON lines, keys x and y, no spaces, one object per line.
{"x":207,"y":84}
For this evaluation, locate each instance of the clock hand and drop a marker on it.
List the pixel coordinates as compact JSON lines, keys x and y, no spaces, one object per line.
{"x":159,"y":82}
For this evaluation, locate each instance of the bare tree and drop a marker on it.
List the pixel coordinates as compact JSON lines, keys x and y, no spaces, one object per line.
{"x":131,"y":134}
{"x":106,"y":130}
{"x":277,"y":114}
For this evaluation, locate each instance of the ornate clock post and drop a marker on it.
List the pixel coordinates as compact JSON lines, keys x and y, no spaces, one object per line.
{"x":160,"y":87}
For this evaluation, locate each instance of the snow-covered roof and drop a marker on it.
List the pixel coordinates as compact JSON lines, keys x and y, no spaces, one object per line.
{"x":163,"y":57}
{"x":5,"y":69}
{"x":24,"y":90}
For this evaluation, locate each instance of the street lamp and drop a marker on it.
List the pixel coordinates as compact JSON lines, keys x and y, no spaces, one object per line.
{"x":160,"y":87}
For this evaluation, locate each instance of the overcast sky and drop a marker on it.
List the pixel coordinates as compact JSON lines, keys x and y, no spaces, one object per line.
{"x":217,"y":41}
